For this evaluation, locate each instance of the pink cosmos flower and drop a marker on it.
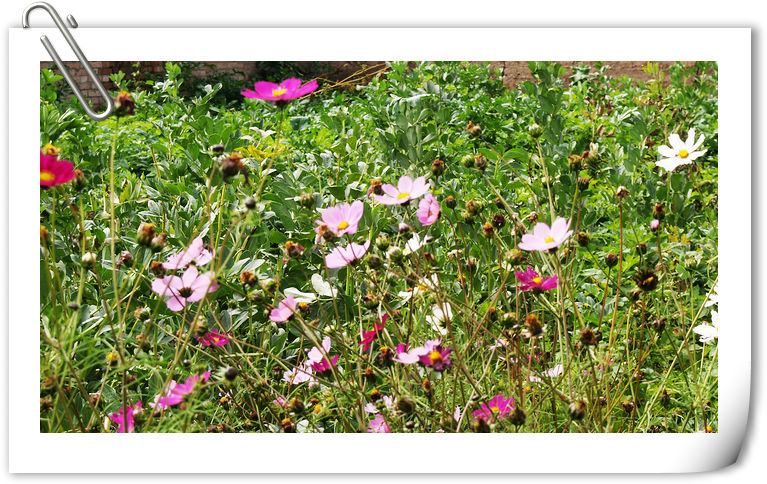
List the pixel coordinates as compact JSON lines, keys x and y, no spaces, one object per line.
{"x":428,"y":210}
{"x":343,"y":256}
{"x":190,"y":287}
{"x":407,"y":189}
{"x":378,"y":425}
{"x":213,"y":338}
{"x":300,"y":374}
{"x":408,"y":357}
{"x":497,"y":408}
{"x":369,"y":336}
{"x":545,"y":238}
{"x":175,"y":392}
{"x":342,"y":219}
{"x":287,"y":90}
{"x":318,"y":357}
{"x":436,"y":356}
{"x":284,"y":310}
{"x":194,"y":254}
{"x":280,"y":402}
{"x":387,"y":401}
{"x":121,"y":421}
{"x":532,"y":280}
{"x":55,"y":172}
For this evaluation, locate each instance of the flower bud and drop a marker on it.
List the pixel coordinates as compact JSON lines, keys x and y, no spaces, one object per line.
{"x":578,"y":410}
{"x":293,"y":249}
{"x":622,"y":192}
{"x":250,"y":203}
{"x":306,"y":200}
{"x":641,"y":248}
{"x":142,"y":313}
{"x":383,"y":242}
{"x":532,"y":326}
{"x":159,"y":242}
{"x":268,"y":284}
{"x":480,"y":426}
{"x":575,"y":162}
{"x":124,"y":104}
{"x":50,"y":150}
{"x":535,"y":131}
{"x":480,"y":162}
{"x":376,"y":187}
{"x":588,"y":338}
{"x":468,"y":161}
{"x":488,"y":230}
{"x":230,"y":373}
{"x":295,"y":405}
{"x":646,"y":279}
{"x":405,"y":404}
{"x":88,"y":259}
{"x":218,"y":149}
{"x":659,"y":211}
{"x":515,"y":257}
{"x":404,"y":228}
{"x":395,"y":255}
{"x":498,"y":220}
{"x":145,"y":234}
{"x":473,"y":207}
{"x":450,"y":202}
{"x":78,"y":182}
{"x":474,"y":129}
{"x":157,"y":269}
{"x":582,"y":238}
{"x":325,"y":233}
{"x":655,"y":225}
{"x":583,"y":183}
{"x":437,"y":167}
{"x":231,"y":165}
{"x":374,"y":261}
{"x":611,"y":260}
{"x":517,"y":416}
{"x":200,"y":325}
{"x":126,"y":259}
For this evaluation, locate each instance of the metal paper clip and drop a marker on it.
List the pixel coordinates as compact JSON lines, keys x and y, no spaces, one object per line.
{"x":80,"y":56}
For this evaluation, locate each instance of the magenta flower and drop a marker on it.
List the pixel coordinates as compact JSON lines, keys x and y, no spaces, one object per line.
{"x":55,"y":172}
{"x":213,"y":338}
{"x":343,"y":256}
{"x":545,"y":238}
{"x":190,"y":287}
{"x":369,"y":336}
{"x":378,"y":425}
{"x":342,"y":219}
{"x":428,"y":210}
{"x":284,"y":310}
{"x":287,"y":90}
{"x":194,"y":254}
{"x":175,"y":392}
{"x":407,"y":189}
{"x":318,"y":357}
{"x":532,"y":280}
{"x":120,"y":419}
{"x":497,"y":408}
{"x":436,"y":356}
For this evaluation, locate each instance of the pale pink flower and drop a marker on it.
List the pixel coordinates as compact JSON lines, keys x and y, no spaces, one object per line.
{"x":300,"y":374}
{"x":428,"y":210}
{"x":190,"y":287}
{"x":285,"y":91}
{"x":407,"y":189}
{"x":545,"y":237}
{"x":342,"y":219}
{"x":654,"y":225}
{"x":343,"y":256}
{"x":284,"y":310}
{"x":194,"y":254}
{"x":387,"y":401}
{"x":378,"y":425}
{"x":318,"y":357}
{"x":125,"y":423}
{"x":175,"y":392}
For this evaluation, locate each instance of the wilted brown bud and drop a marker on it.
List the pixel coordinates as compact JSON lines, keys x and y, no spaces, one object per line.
{"x":532,"y":326}
{"x":646,"y":279}
{"x":44,"y":235}
{"x":142,"y":341}
{"x":78,"y":182}
{"x":157,"y":269}
{"x":480,"y":426}
{"x":145,"y":234}
{"x":474,"y":129}
{"x":124,"y":104}
{"x":247,"y":278}
{"x":232,"y":165}
{"x":588,"y":338}
{"x":488,"y":230}
{"x":517,"y":416}
{"x":473,"y":207}
{"x":405,"y":404}
{"x":480,"y":162}
{"x":622,"y":192}
{"x":628,"y":406}
{"x":369,"y":375}
{"x":575,"y":162}
{"x":376,"y":187}
{"x":288,"y":426}
{"x":293,"y":249}
{"x":375,"y":395}
{"x":658,"y":324}
{"x":498,"y":220}
{"x":385,"y":356}
{"x":50,"y":150}
{"x":659,"y":211}
{"x":325,"y":233}
{"x":437,"y":167}
{"x":582,"y":238}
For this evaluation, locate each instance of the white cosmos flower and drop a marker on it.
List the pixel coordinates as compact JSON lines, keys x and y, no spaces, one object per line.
{"x":415,"y":244}
{"x":423,"y":285}
{"x":305,"y":297}
{"x":713,"y":299}
{"x":680,"y":152}
{"x":551,"y":373}
{"x":709,"y":332}
{"x":439,"y":316}
{"x":322,"y":287}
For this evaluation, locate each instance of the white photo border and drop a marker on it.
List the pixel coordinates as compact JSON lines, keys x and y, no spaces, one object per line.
{"x":33,"y":451}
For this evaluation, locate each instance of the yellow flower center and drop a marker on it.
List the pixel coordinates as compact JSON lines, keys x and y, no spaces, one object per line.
{"x":549,"y":240}
{"x":684,"y":154}
{"x":423,"y":287}
{"x":46,"y":176}
{"x":343,"y":225}
{"x":402,"y":195}
{"x":435,"y":357}
{"x":494,"y":408}
{"x":279,"y":92}
{"x":537,"y":280}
